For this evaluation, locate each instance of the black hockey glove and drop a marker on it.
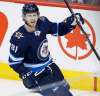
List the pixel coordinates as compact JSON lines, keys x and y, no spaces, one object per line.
{"x":29,"y":80}
{"x":71,"y":21}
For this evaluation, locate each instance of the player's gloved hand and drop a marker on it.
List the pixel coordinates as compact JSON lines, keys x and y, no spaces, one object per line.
{"x":29,"y":80}
{"x":71,"y":21}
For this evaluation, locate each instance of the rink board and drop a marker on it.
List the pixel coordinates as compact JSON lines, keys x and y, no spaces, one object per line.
{"x":77,"y":80}
{"x":79,"y":73}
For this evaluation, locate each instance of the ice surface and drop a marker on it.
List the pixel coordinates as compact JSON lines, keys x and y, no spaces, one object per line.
{"x":16,"y":88}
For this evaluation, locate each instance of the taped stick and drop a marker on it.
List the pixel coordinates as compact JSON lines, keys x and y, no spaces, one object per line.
{"x":83,"y":31}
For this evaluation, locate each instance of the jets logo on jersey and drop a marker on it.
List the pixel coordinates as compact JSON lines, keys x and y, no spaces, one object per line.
{"x":18,"y":35}
{"x":43,"y":51}
{"x":37,"y":33}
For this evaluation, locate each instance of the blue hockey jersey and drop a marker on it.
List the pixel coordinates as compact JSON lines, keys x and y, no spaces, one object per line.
{"x":29,"y":50}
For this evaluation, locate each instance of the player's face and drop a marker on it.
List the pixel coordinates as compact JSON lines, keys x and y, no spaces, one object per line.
{"x":31,"y":19}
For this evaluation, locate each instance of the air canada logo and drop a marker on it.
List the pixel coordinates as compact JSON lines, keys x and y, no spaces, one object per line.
{"x":75,"y":44}
{"x":3,"y":26}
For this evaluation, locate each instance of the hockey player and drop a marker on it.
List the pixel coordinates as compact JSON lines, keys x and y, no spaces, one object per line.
{"x":29,"y":54}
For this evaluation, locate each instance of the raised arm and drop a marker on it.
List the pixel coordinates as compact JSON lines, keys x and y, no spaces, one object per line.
{"x":64,"y":27}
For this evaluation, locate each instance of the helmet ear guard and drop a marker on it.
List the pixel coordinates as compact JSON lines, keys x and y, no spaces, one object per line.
{"x":29,"y":8}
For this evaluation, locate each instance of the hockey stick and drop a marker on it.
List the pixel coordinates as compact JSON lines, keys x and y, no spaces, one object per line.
{"x":83,"y":31}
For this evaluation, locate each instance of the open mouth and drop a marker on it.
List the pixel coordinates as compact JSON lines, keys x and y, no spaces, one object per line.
{"x":33,"y":22}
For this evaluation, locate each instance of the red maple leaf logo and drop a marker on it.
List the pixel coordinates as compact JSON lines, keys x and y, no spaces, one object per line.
{"x":76,"y":39}
{"x":78,"y":42}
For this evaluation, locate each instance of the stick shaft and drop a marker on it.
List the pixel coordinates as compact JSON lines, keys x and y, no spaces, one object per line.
{"x":91,"y":45}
